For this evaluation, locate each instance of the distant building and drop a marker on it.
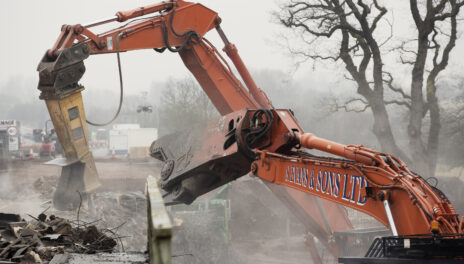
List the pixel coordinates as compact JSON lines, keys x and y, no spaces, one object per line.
{"x":131,"y":139}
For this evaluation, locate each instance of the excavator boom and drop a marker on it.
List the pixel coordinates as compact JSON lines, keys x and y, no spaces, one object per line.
{"x":179,"y":27}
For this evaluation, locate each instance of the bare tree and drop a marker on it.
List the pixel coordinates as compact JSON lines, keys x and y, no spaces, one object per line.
{"x":354,"y":32}
{"x":183,"y":104}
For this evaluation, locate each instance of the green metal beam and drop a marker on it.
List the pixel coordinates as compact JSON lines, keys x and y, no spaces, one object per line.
{"x":159,"y":225}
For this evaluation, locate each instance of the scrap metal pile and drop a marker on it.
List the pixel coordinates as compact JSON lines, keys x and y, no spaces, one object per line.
{"x":40,"y":239}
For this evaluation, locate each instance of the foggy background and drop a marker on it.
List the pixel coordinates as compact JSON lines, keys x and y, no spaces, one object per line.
{"x":29,"y":28}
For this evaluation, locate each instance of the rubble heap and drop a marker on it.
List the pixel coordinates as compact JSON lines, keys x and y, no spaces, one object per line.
{"x":40,"y":239}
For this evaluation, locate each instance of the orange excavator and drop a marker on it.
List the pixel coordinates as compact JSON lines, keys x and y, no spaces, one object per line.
{"x":251,"y":137}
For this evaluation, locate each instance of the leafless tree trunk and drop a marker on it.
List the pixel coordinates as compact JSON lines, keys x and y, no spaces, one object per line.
{"x":352,"y":25}
{"x":425,"y":153}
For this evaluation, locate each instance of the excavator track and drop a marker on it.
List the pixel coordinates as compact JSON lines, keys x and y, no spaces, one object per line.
{"x":433,"y":249}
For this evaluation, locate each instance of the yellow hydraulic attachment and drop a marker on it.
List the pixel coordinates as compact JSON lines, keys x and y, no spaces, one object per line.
{"x":63,"y":98}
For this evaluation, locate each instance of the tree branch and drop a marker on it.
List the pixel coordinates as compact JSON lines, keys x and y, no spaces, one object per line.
{"x":389,"y":82}
{"x":415,"y":13}
{"x":345,"y":106}
{"x":376,"y":20}
{"x":403,"y":103}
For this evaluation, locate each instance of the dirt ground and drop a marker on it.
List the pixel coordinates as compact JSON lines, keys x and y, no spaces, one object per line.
{"x":18,"y":184}
{"x":27,"y":189}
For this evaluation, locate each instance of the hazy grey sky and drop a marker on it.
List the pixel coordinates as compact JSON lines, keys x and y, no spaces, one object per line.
{"x":29,"y":28}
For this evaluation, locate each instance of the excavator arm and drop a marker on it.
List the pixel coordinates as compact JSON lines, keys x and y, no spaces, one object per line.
{"x":275,"y":146}
{"x":177,"y":26}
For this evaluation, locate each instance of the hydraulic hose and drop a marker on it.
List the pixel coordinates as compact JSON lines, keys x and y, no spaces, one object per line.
{"x":121,"y":88}
{"x":187,"y":34}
